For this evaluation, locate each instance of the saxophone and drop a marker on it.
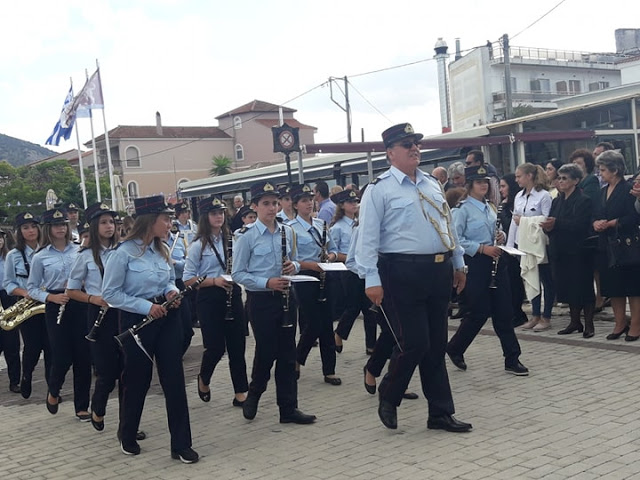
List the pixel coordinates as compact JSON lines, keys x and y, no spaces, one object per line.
{"x":21,"y":311}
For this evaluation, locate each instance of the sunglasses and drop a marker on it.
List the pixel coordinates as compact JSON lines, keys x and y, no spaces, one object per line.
{"x":563,"y":177}
{"x":408,"y":144}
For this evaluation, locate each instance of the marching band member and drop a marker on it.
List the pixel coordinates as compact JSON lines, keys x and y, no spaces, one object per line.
{"x":341,"y":232}
{"x":138,"y":278}
{"x":65,"y":319}
{"x":311,"y":240}
{"x":258,"y":265}
{"x":222,"y":327}
{"x":9,"y":340}
{"x":287,"y":213}
{"x":475,"y":222}
{"x":85,"y":285}
{"x":176,"y":243}
{"x":16,"y":271}
{"x":72,"y":213}
{"x":408,"y":254}
{"x":187,"y":226}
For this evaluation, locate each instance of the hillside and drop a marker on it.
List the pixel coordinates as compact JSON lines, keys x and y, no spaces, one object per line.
{"x":20,"y":152}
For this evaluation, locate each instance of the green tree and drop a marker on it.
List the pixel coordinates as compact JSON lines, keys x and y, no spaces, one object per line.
{"x":221,"y":165}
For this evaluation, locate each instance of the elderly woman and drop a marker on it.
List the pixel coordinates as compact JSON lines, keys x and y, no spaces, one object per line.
{"x":568,"y":227}
{"x":456,"y":175}
{"x":616,"y":216}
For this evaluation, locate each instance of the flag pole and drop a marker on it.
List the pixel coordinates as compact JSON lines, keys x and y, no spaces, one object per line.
{"x":83,"y":186}
{"x":96,"y":170}
{"x":106,"y":139}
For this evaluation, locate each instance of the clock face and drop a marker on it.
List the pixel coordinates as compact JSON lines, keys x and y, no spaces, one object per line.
{"x":286,"y":139}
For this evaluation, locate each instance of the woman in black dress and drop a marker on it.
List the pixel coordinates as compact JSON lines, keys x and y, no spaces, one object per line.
{"x":616,"y":215}
{"x":568,"y":225}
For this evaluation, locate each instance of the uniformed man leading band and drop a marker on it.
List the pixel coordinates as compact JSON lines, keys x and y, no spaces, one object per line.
{"x":409,"y":254}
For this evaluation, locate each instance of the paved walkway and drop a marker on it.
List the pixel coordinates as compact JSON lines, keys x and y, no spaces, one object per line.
{"x":575,"y":416}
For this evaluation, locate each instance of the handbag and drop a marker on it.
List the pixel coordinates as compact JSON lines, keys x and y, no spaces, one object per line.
{"x":623,"y":250}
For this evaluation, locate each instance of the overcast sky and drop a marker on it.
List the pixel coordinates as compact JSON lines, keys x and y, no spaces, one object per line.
{"x":192,"y":60}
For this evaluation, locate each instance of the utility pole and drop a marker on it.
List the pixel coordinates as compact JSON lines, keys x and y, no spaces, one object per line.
{"x":347,"y":107}
{"x":506,"y":55}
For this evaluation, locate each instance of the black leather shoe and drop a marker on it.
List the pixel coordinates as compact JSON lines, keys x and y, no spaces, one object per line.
{"x":52,"y":408}
{"x":458,"y":361}
{"x":15,"y":388}
{"x":517,"y":369}
{"x":369,"y":388}
{"x":571,"y":328}
{"x":237,"y":403}
{"x":388,"y":414}
{"x":615,"y":336}
{"x":187,"y":455}
{"x":204,"y":396}
{"x":410,"y":396}
{"x":133,"y":449}
{"x":332,"y":380}
{"x":98,"y":425}
{"x":140,"y":435}
{"x":298,"y":417}
{"x":448,"y":423}
{"x":631,"y":338}
{"x":83,"y":417}
{"x":25,"y":387}
{"x":457,"y":315}
{"x":250,"y":407}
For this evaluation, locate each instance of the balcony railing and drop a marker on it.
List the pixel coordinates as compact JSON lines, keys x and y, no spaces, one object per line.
{"x":564,"y":56}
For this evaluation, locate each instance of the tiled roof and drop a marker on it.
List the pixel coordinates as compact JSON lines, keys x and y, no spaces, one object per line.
{"x":292,"y":122}
{"x":257,"y":106}
{"x":150,"y":131}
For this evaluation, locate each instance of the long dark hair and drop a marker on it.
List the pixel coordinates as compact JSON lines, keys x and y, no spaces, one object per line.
{"x":204,"y":232}
{"x":21,"y":244}
{"x":340,"y":214}
{"x":514,"y":188}
{"x":140,"y":230}
{"x":95,"y":245}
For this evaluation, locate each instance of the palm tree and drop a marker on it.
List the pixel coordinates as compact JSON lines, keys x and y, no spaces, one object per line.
{"x":221,"y":165}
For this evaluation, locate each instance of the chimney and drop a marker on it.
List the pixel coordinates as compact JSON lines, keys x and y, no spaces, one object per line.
{"x":158,"y":124}
{"x":441,"y":57}
{"x":458,"y":53}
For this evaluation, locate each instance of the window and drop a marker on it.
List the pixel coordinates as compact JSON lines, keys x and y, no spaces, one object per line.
{"x":237,"y":123}
{"x":561,"y":87}
{"x":598,"y":86}
{"x":239,"y":152}
{"x":541,"y":85}
{"x":132,"y":155}
{"x":132,"y":190}
{"x":574,"y":86}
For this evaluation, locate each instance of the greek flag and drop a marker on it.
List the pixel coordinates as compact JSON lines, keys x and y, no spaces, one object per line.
{"x":64,"y":126}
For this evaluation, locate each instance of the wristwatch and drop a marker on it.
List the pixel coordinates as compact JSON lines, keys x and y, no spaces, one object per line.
{"x":464,"y":269}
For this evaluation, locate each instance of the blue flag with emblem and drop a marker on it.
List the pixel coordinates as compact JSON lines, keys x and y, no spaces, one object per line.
{"x":64,"y":127}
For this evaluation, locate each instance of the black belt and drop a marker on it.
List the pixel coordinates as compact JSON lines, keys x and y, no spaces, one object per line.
{"x":55,"y":292}
{"x":270,"y":293}
{"x":160,"y":299}
{"x":411,"y":258}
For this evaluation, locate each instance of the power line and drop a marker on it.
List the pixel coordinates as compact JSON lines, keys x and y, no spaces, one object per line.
{"x":371,"y":104}
{"x":536,"y":21}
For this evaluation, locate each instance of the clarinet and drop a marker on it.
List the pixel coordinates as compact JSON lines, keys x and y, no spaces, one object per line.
{"x":323,"y":258}
{"x":286,"y":322}
{"x":494,"y":270}
{"x":131,"y":333}
{"x":229,"y":314}
{"x":61,"y":313}
{"x":92,"y":336}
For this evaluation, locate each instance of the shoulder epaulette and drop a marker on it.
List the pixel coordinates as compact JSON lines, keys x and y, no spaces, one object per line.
{"x":83,"y":248}
{"x":118,"y":245}
{"x":242,"y":230}
{"x":279,"y":219}
{"x":376,"y":180}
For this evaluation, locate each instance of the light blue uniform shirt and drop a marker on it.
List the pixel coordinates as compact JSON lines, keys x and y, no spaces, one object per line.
{"x":350,"y":263}
{"x":2,"y":262}
{"x":178,"y":254}
{"x":392,"y":220}
{"x":204,"y":261}
{"x":257,"y":255}
{"x":15,"y":271}
{"x":341,"y":233}
{"x":50,"y":269}
{"x":131,"y":277}
{"x":85,"y":272}
{"x":475,"y":223}
{"x":283,"y":216}
{"x":326,"y":210}
{"x":307,"y":240}
{"x":189,"y":231}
